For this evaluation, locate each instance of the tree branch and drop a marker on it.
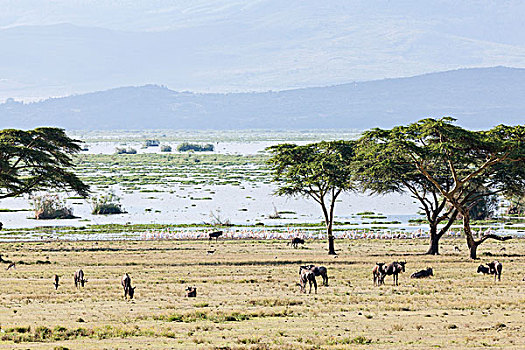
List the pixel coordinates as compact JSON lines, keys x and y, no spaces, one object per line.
{"x":492,"y":236}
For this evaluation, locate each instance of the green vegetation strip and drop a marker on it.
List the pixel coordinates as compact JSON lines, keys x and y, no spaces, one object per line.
{"x":220,"y":317}
{"x":45,"y":334}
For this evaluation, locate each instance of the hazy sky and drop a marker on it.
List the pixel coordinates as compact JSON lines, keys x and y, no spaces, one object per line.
{"x":61,"y":47}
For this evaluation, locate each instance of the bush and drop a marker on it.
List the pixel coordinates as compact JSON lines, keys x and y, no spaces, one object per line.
{"x":51,"y":207}
{"x":185,"y":147}
{"x":122,"y":150}
{"x":107,"y":204}
{"x":165,"y":148}
{"x":516,"y":205}
{"x":152,"y":143}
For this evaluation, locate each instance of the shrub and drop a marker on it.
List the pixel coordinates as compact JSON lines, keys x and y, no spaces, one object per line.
{"x":165,"y":148}
{"x":152,"y":143}
{"x":51,"y":207}
{"x":122,"y":150}
{"x":185,"y":147}
{"x":107,"y":204}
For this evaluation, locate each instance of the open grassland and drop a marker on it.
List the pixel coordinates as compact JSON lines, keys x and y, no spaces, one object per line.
{"x":248,"y":297}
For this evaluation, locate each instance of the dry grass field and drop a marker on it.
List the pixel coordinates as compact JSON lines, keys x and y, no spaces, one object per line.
{"x":248,"y":297}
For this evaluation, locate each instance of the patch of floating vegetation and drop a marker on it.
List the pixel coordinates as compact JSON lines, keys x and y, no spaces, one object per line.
{"x":5,"y":210}
{"x":166,"y":169}
{"x":366,"y":213}
{"x":373,"y":217}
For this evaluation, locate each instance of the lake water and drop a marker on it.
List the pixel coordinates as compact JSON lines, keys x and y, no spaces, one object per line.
{"x":248,"y":204}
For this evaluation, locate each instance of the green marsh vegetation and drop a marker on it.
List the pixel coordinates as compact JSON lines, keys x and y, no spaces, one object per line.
{"x":133,"y":171}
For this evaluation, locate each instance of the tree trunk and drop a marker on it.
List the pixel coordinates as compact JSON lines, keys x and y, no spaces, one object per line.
{"x":473,"y":250}
{"x":434,"y":241}
{"x":331,"y":247}
{"x":471,"y":243}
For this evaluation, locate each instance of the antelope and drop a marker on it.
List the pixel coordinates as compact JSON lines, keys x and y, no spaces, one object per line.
{"x":55,"y":281}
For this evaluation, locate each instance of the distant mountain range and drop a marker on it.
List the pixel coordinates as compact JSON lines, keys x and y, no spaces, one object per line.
{"x":477,"y":97}
{"x":63,"y":47}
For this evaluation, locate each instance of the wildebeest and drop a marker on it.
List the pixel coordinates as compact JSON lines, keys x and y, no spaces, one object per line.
{"x":128,"y":289}
{"x":495,"y":268}
{"x":394,"y":269}
{"x":483,"y":269}
{"x":11,"y":265}
{"x":307,"y":276}
{"x":318,"y":271}
{"x":423,"y":273}
{"x":55,"y":281}
{"x":456,"y":248}
{"x":296,"y":241}
{"x":79,"y":278}
{"x":191,"y":292}
{"x":215,"y":235}
{"x":378,"y":273}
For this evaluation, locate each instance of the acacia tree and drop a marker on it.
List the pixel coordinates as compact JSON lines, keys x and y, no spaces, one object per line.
{"x":385,"y":168}
{"x":37,"y":159}
{"x":321,"y":171}
{"x":476,"y":163}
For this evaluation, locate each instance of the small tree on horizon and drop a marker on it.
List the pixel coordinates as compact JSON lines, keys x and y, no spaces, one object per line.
{"x":320,"y":171}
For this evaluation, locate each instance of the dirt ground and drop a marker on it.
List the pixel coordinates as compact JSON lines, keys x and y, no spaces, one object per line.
{"x":248,"y":296}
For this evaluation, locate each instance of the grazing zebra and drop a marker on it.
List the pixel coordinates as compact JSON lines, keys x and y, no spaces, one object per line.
{"x":79,"y":278}
{"x":495,"y":268}
{"x":378,"y":272}
{"x":318,"y":271}
{"x":307,"y":276}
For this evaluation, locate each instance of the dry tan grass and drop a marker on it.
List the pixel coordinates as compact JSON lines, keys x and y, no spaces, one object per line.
{"x":248,"y":297}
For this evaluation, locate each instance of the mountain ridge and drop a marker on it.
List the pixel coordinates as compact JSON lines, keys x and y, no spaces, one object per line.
{"x":477,"y":97}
